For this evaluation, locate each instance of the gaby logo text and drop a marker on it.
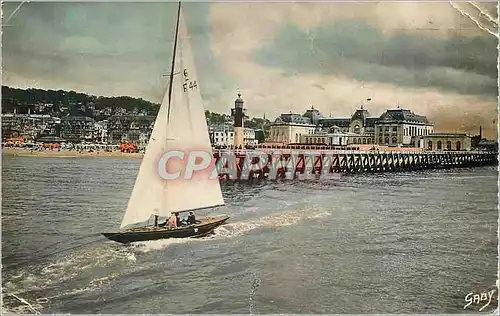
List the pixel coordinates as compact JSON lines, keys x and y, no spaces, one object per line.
{"x":479,"y":299}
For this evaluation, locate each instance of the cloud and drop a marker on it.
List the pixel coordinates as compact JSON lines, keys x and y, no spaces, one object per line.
{"x":355,"y":49}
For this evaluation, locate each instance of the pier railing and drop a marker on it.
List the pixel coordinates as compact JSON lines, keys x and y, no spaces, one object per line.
{"x":273,"y":163}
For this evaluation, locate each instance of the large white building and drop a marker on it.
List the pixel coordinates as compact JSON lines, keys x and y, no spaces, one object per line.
{"x":288,"y":128}
{"x":223,"y":136}
{"x":101,"y":131}
{"x":249,"y":137}
{"x":329,"y":138}
{"x":444,"y":141}
{"x":401,"y":127}
{"x":395,"y":127}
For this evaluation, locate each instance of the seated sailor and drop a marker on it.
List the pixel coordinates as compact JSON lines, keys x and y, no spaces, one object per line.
{"x":191,"y":219}
{"x":177,"y":220}
{"x":172,"y":221}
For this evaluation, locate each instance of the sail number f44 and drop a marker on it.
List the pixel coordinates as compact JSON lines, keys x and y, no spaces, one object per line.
{"x":188,"y":84}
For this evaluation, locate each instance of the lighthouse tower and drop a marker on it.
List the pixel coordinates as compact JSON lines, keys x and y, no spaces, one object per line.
{"x":238,"y":114}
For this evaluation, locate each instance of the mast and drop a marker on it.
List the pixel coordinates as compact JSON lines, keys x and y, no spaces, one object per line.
{"x":153,"y":194}
{"x":171,"y":83}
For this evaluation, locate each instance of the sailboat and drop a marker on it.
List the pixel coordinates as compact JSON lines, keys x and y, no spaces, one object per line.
{"x":180,"y":125}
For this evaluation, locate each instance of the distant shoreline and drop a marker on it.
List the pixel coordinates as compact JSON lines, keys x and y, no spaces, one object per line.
{"x":24,"y":152}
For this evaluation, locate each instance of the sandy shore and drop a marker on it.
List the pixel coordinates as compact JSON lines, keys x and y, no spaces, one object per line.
{"x":17,"y":151}
{"x":65,"y":153}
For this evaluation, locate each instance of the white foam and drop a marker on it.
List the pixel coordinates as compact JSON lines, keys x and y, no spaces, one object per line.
{"x":131,"y":257}
{"x":281,"y":219}
{"x":93,"y":285}
{"x":147,"y":246}
{"x":62,"y":271}
{"x":319,"y":215}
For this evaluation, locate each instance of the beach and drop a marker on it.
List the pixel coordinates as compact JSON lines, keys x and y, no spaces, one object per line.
{"x":16,"y":151}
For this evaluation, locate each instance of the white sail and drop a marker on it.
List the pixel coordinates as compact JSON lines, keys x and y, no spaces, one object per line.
{"x":184,"y":129}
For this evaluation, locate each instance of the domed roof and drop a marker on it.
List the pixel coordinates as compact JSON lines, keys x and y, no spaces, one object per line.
{"x":239,"y":99}
{"x":313,"y":114}
{"x":360,"y":114}
{"x":292,"y":118}
{"x":402,"y":115}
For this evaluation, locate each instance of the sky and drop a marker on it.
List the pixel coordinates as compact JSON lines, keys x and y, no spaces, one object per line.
{"x":437,"y":59}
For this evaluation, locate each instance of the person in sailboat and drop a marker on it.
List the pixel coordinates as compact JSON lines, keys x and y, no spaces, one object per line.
{"x":177,"y":218}
{"x":173,"y":221}
{"x":191,"y":220}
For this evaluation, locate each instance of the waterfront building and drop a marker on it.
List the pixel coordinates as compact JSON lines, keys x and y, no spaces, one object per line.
{"x":50,"y":127}
{"x":101,"y":131}
{"x":360,"y":127}
{"x":143,"y":139}
{"x":293,"y":128}
{"x":130,"y":128}
{"x":77,"y":128}
{"x":444,"y":142}
{"x":331,"y":137}
{"x":28,"y":126}
{"x":401,"y":127}
{"x":395,"y":127}
{"x":249,"y":137}
{"x":221,"y":135}
{"x":288,"y":127}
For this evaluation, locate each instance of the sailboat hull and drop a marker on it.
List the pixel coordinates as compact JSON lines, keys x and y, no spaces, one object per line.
{"x":204,"y":228}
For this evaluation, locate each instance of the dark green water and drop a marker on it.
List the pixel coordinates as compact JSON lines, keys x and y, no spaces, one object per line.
{"x":391,"y":243}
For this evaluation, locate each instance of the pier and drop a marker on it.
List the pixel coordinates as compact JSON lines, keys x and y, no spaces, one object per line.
{"x":291,"y":164}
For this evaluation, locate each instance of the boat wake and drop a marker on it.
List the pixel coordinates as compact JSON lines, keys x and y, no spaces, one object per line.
{"x":150,"y":245}
{"x":281,"y":219}
{"x":30,"y":289}
{"x":271,"y":221}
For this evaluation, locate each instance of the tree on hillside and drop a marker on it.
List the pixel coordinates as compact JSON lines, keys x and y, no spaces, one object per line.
{"x":22,"y":100}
